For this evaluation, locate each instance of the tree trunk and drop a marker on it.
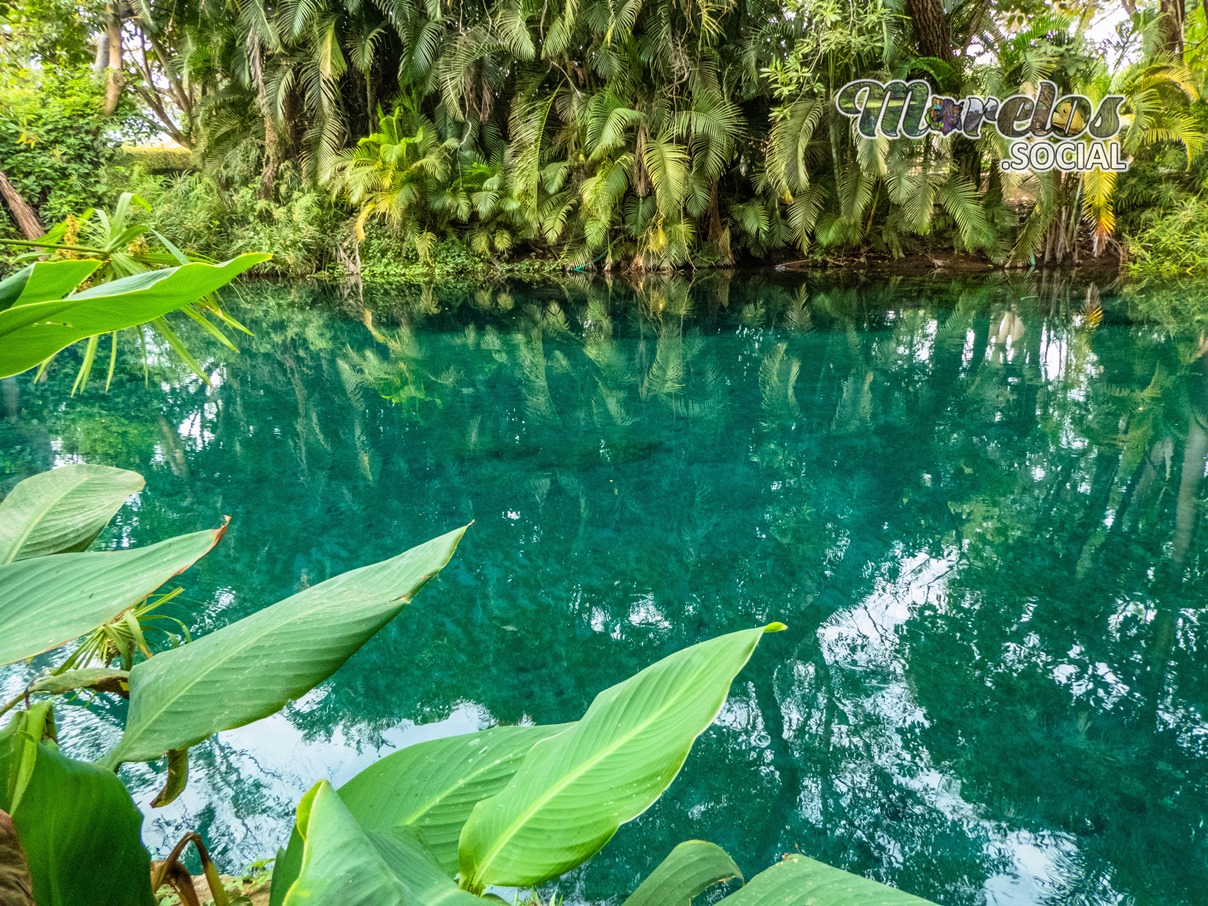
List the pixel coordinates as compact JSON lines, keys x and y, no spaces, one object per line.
{"x":26,"y":220}
{"x":272,"y":144}
{"x":116,"y":80}
{"x":101,"y":60}
{"x":1172,"y":14}
{"x":930,"y":26}
{"x":272,"y":138}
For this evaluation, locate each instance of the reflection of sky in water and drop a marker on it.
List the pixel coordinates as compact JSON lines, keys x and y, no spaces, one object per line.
{"x":969,"y":512}
{"x":276,"y":749}
{"x":864,"y":639}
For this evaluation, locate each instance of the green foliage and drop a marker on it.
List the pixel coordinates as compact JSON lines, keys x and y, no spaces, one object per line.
{"x":34,"y":302}
{"x":601,"y":135}
{"x":689,"y":869}
{"x":385,"y":259}
{"x":564,"y":800}
{"x":605,"y":770}
{"x":55,"y":146}
{"x":53,"y":600}
{"x":124,"y":248}
{"x":70,"y":814}
{"x":1173,"y":245}
{"x":71,"y":817}
{"x":221,"y":212}
{"x":62,"y":511}
{"x":1163,"y":207}
{"x":157,"y":158}
{"x":798,"y":881}
{"x":250,"y":669}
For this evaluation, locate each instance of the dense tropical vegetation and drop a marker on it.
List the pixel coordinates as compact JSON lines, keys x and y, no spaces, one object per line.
{"x":590,"y":134}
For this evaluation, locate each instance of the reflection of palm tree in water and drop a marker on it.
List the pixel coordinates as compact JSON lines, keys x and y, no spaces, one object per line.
{"x":1195,"y":456}
{"x":1187,"y":506}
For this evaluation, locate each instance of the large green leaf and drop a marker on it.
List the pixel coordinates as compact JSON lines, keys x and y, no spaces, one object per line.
{"x":345,"y":865}
{"x":690,"y":869}
{"x":32,"y":332}
{"x":249,"y":669}
{"x":575,"y":789}
{"x":340,"y":864}
{"x":80,"y":831}
{"x":427,"y":883}
{"x":51,"y":600}
{"x":44,"y":281}
{"x":431,"y":786}
{"x":798,"y":881}
{"x":62,"y":510}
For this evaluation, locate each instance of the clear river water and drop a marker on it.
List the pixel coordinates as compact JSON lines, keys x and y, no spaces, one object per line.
{"x":978,"y":506}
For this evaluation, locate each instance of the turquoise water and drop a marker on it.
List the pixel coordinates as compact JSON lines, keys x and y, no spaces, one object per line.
{"x":979,"y":508}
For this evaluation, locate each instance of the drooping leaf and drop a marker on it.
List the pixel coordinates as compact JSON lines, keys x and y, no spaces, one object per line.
{"x":19,"y":751}
{"x":798,"y":881}
{"x":80,"y":831}
{"x":102,"y":679}
{"x":177,"y":779}
{"x":62,"y":510}
{"x":249,"y":669}
{"x":690,"y":869}
{"x":51,"y":600}
{"x":432,"y":787}
{"x":575,"y":789}
{"x":31,"y":333}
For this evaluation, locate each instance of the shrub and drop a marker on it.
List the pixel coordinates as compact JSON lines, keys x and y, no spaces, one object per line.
{"x":1173,"y":244}
{"x":55,"y":147}
{"x":158,"y":158}
{"x":221,"y":214}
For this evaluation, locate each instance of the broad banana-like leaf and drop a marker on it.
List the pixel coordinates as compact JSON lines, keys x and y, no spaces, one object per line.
{"x":251,"y":668}
{"x":427,"y":883}
{"x":44,"y":281}
{"x":79,"y":829}
{"x":342,"y":863}
{"x":798,"y":881}
{"x":62,"y":510}
{"x":341,"y":866}
{"x":51,"y":600}
{"x":431,"y":786}
{"x":575,"y":789}
{"x":690,"y":869}
{"x":32,"y":332}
